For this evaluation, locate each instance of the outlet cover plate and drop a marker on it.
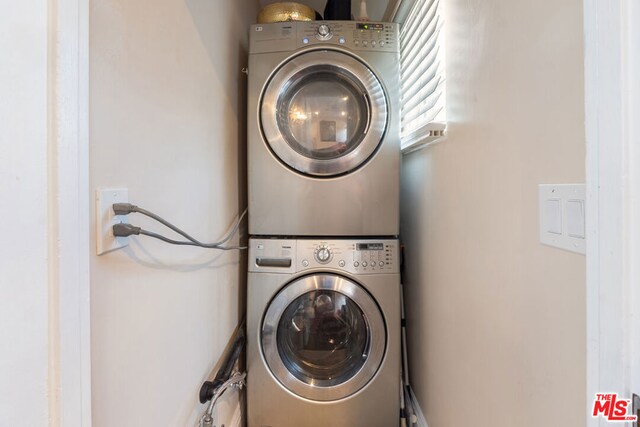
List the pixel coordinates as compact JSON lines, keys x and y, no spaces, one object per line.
{"x":105,"y":219}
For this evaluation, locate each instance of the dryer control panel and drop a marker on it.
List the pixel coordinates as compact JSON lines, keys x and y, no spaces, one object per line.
{"x":354,"y":35}
{"x":363,"y":256}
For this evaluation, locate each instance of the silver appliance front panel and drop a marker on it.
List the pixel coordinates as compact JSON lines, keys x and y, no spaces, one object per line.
{"x":364,"y":202}
{"x":269,"y":402}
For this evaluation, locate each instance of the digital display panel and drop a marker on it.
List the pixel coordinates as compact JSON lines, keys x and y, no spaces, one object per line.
{"x":369,"y":246}
{"x":369,"y":26}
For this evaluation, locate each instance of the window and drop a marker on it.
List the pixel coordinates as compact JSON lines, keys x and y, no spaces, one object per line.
{"x":422,"y":75}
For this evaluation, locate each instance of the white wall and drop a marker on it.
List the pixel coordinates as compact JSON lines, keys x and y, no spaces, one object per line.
{"x":23,"y":190}
{"x":496,"y":320}
{"x":612,"y":57}
{"x":166,"y":121}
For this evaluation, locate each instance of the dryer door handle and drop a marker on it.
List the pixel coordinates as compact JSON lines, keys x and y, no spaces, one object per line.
{"x":273,"y":262}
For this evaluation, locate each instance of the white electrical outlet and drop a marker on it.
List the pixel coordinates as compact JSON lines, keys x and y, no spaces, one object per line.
{"x":106,"y":219}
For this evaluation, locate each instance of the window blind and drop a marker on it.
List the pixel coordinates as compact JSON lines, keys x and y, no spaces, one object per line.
{"x":422,"y":75}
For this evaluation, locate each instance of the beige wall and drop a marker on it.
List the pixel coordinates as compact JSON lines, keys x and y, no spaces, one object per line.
{"x":496,"y":320}
{"x":166,"y":121}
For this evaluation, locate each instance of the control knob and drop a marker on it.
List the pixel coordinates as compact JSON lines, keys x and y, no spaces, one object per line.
{"x":324,"y":32}
{"x":323,"y":254}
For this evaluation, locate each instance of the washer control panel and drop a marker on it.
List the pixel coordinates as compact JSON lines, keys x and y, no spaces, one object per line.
{"x":363,"y":256}
{"x":285,"y":36}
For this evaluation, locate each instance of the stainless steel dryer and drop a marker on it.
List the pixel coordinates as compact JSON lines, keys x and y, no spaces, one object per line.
{"x":323,"y":129}
{"x":323,"y":333}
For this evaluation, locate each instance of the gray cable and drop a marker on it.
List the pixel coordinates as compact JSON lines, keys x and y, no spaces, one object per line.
{"x":184,"y":243}
{"x":235,"y":228}
{"x":215,"y":245}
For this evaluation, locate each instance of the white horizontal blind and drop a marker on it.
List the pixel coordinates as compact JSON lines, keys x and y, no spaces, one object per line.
{"x":422,"y":75}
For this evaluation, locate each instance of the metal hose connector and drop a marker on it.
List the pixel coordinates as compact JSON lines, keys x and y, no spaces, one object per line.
{"x":235,"y":381}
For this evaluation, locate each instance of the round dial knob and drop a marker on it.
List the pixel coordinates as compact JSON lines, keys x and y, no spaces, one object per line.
{"x":324,"y":31}
{"x":323,"y":254}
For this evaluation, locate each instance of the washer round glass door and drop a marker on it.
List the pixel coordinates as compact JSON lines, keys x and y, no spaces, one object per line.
{"x":323,"y":337}
{"x":323,"y":113}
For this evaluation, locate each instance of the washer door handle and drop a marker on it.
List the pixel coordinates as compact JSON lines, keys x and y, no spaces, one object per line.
{"x":273,"y":262}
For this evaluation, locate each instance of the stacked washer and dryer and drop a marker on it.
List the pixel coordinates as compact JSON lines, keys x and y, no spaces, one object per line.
{"x":323,"y":300}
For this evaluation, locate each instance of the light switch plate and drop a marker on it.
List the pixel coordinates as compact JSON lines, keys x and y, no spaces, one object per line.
{"x":105,"y":219}
{"x":562,"y":216}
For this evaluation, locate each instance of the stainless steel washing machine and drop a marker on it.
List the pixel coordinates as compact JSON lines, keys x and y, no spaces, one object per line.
{"x":323,"y":129}
{"x":323,"y":333}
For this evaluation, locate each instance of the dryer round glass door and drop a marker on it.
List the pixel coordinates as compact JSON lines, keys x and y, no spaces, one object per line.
{"x":323,"y":337}
{"x":323,"y":113}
